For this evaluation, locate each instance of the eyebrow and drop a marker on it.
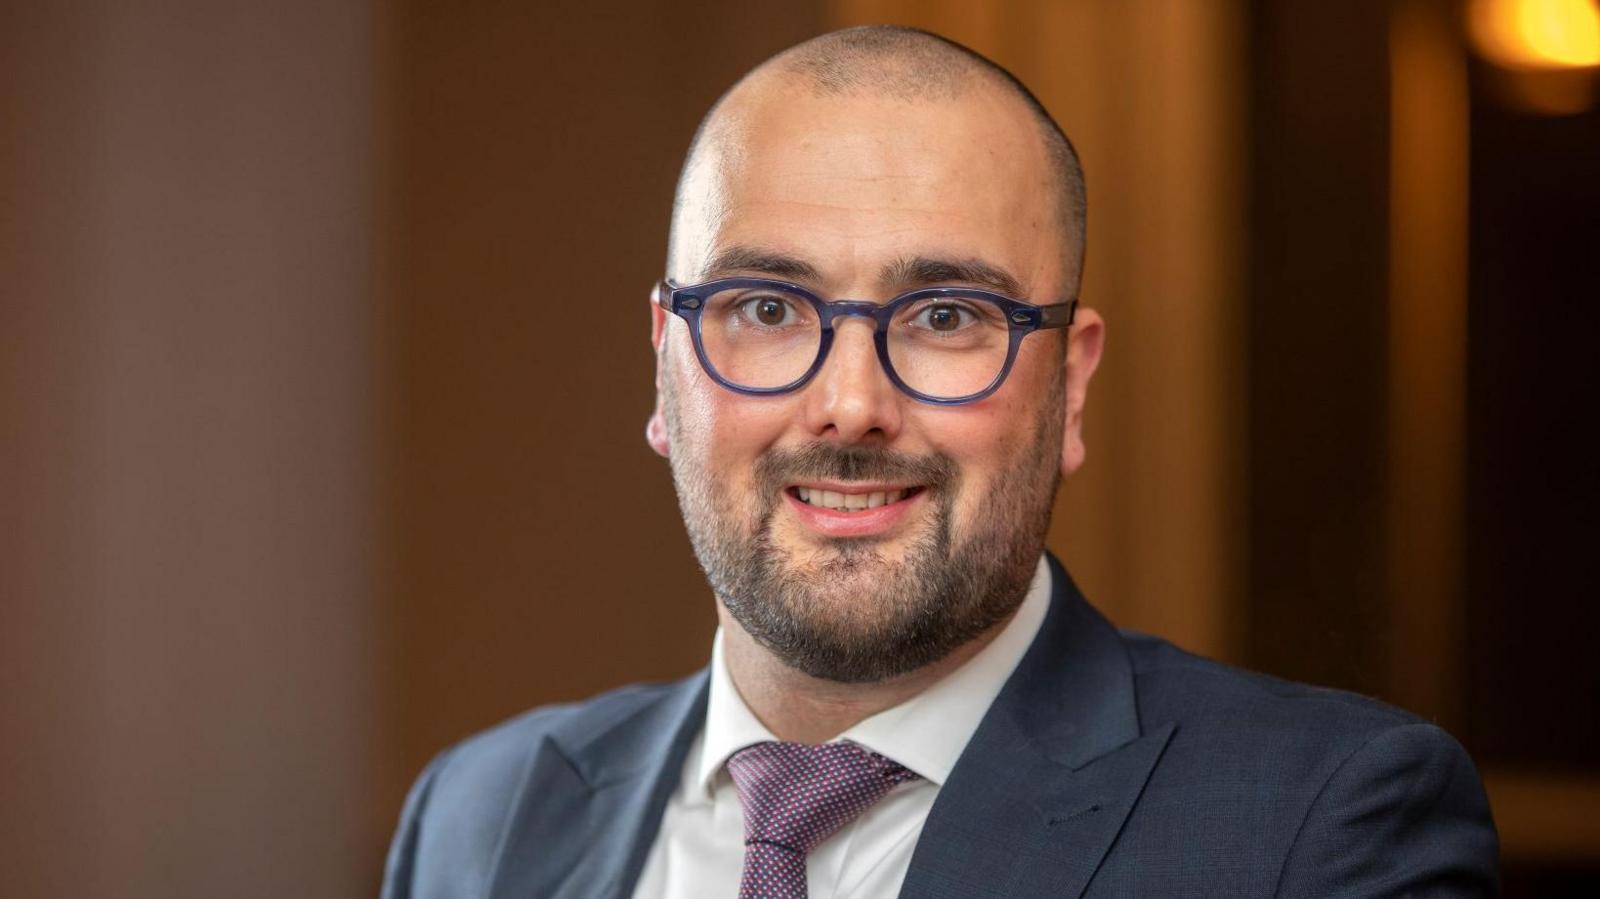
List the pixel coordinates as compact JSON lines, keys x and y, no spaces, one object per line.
{"x":767,"y":262}
{"x":907,"y":272}
{"x":918,"y":271}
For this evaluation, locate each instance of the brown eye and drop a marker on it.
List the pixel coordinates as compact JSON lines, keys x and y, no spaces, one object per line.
{"x":944,"y":318}
{"x":769,"y":312}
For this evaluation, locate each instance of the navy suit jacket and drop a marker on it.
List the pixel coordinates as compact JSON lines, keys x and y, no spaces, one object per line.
{"x":1111,"y":764}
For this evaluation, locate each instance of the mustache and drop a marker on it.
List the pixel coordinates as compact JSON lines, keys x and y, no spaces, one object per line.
{"x":778,"y":468}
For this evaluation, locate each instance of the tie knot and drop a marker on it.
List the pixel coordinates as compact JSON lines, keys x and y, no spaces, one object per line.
{"x":797,"y":795}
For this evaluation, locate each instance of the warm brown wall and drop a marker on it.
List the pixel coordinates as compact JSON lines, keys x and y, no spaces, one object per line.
{"x":186,"y":444}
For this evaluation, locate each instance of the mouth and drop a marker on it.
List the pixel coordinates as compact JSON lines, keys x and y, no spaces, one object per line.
{"x":853,"y":510}
{"x":857,"y":500}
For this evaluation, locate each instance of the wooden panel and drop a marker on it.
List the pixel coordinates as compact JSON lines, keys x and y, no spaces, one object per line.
{"x":1318,"y":328}
{"x":1546,"y":818}
{"x":1427,"y":357}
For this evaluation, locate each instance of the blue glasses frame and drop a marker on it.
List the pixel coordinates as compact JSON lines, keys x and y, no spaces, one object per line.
{"x":687,"y":302}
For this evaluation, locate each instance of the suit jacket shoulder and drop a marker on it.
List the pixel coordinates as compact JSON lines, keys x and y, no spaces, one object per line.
{"x":1328,"y":791}
{"x":524,"y":782}
{"x":1215,"y":701}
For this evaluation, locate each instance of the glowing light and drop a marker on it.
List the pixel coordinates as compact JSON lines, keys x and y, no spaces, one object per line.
{"x":1537,"y":34}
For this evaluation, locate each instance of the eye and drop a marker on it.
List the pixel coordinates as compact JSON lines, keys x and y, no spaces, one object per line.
{"x":767,"y":310}
{"x":944,"y":317}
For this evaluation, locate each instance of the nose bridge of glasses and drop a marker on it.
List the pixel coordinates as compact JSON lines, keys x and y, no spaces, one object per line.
{"x":845,"y":309}
{"x":844,"y":349}
{"x":853,"y":389}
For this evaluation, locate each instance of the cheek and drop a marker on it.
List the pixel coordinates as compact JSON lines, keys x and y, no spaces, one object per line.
{"x":994,"y":441}
{"x":977,"y":438}
{"x":724,"y":430}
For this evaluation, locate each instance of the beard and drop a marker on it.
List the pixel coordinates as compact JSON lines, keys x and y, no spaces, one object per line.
{"x":845,"y":610}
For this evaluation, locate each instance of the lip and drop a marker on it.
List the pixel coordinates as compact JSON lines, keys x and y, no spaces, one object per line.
{"x":860,"y":523}
{"x":853,"y":486}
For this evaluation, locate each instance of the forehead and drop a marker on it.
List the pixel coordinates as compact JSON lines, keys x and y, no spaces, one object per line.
{"x":853,"y":183}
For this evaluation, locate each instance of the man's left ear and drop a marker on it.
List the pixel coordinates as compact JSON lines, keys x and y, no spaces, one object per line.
{"x":655,"y":427}
{"x":1085,"y":340}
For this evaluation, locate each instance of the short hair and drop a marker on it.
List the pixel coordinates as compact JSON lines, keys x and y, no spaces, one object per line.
{"x":913,"y":64}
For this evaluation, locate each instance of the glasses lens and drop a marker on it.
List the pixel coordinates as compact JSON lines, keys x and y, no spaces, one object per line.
{"x":949,"y":346}
{"x":760,"y":337}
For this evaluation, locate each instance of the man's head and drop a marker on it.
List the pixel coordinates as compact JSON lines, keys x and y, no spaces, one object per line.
{"x":861,"y":165}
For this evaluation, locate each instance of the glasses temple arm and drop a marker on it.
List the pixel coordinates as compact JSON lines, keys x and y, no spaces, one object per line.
{"x":1058,"y":315}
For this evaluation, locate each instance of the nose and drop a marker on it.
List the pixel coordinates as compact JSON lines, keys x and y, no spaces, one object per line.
{"x":851,"y":400}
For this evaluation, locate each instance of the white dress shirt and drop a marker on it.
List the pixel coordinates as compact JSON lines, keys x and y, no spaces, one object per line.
{"x":699,"y":849}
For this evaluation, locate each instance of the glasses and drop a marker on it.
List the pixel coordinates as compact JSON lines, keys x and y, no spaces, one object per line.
{"x":940,"y":345}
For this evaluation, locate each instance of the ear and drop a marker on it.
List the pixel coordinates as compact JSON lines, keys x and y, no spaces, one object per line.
{"x":1085,"y":340}
{"x":655,"y":428}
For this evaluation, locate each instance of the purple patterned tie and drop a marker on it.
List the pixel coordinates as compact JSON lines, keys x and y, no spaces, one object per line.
{"x":795,"y":796}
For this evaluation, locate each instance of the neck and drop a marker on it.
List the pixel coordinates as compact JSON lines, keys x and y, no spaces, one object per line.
{"x":800,"y":708}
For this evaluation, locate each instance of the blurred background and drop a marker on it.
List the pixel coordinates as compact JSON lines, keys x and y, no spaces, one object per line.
{"x":303,"y":479}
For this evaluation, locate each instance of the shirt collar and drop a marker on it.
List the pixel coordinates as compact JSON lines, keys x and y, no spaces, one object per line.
{"x":926,"y":733}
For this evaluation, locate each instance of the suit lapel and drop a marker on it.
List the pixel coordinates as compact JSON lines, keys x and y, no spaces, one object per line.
{"x":592,"y":799}
{"x":1055,"y":767}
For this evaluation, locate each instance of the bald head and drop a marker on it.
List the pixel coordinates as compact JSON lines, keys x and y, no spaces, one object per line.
{"x":901,"y":64}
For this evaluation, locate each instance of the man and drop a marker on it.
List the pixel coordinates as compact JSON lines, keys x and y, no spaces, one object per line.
{"x":871,"y":376}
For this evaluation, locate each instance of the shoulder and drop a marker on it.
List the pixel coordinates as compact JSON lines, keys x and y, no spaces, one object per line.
{"x":488,"y":763}
{"x":1253,"y":727}
{"x":1319,"y":776}
{"x":1201,"y":693}
{"x":461,"y":806}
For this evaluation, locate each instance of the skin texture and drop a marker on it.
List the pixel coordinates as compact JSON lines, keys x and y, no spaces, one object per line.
{"x":851,"y":184}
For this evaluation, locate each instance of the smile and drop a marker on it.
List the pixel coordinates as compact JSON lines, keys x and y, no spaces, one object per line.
{"x":840,"y":501}
{"x":853,"y":510}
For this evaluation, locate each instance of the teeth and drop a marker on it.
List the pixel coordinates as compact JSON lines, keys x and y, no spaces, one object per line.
{"x":848,"y":502}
